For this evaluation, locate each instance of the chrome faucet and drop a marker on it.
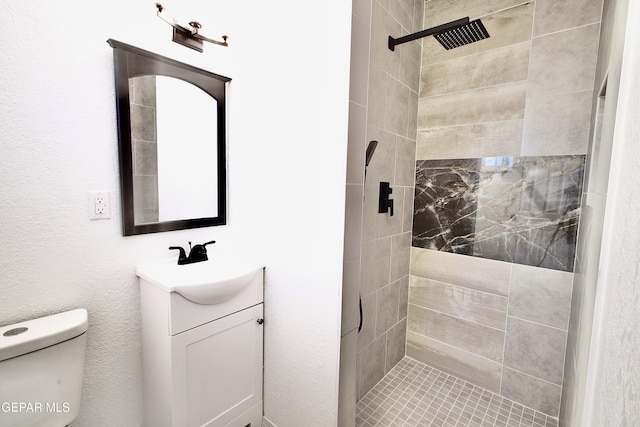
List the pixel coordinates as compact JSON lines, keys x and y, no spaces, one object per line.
{"x":196,"y":254}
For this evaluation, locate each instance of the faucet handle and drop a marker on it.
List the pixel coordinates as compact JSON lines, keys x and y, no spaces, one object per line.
{"x":201,"y":247}
{"x":199,"y":252}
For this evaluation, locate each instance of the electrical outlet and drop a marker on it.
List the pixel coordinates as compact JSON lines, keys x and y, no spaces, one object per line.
{"x":99,"y":205}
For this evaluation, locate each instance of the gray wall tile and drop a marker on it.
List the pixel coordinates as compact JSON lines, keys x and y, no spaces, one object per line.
{"x":400,"y":256}
{"x":397,"y":107}
{"x":403,"y":297}
{"x":469,"y":336}
{"x":353,"y":222}
{"x":377,"y":94}
{"x":413,"y":115}
{"x":362,"y":10}
{"x":382,"y":27}
{"x":475,"y":273}
{"x":554,"y":15}
{"x":402,"y":11}
{"x":504,"y":102}
{"x":369,"y":312}
{"x":348,"y":357}
{"x":377,"y":256}
{"x":563,"y":62}
{"x":410,"y":64}
{"x":357,"y":143}
{"x":540,"y":295}
{"x":557,"y":125}
{"x":467,"y":366}
{"x":490,"y":68}
{"x":407,"y":214}
{"x":530,"y":391}
{"x":405,"y":162}
{"x":535,"y":349}
{"x":387,"y":310}
{"x":418,"y":15}
{"x":350,"y":295}
{"x":371,"y":363}
{"x":468,"y":304}
{"x":498,"y":138}
{"x":396,"y":343}
{"x":441,"y":11}
{"x":370,"y":229}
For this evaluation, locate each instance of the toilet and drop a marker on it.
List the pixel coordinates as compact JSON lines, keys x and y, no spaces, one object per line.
{"x":41,"y":366}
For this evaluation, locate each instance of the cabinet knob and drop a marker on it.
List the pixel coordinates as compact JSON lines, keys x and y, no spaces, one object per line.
{"x":260,"y":321}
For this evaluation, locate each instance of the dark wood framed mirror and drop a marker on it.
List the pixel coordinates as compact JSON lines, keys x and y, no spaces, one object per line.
{"x":172,"y":142}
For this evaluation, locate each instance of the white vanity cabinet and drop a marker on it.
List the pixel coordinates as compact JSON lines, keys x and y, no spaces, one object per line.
{"x":202,"y":363}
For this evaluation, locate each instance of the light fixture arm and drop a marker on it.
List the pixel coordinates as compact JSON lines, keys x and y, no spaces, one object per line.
{"x":189,"y":37}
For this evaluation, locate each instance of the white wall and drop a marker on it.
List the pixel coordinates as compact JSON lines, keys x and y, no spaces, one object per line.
{"x":286,"y":161}
{"x":614,"y":370}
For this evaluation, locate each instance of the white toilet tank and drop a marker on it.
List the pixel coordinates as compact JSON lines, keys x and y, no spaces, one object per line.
{"x":41,"y":366}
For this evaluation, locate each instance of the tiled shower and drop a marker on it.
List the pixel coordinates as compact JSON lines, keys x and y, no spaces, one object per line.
{"x":474,"y":276}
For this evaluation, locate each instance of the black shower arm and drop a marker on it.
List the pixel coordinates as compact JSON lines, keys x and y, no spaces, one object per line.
{"x":428,"y":32}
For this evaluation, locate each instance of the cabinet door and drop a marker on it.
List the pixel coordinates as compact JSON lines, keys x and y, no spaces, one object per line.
{"x":219,"y":366}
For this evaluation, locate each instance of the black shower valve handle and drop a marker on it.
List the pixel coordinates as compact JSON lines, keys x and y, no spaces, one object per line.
{"x":384,"y":203}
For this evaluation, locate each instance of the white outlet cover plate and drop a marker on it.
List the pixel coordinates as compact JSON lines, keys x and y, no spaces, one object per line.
{"x":99,"y":205}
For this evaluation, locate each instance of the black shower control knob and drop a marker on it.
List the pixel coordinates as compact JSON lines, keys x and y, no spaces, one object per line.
{"x":260,"y":321}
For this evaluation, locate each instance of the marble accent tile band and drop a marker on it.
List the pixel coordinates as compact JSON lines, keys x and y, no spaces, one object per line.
{"x":523,"y":210}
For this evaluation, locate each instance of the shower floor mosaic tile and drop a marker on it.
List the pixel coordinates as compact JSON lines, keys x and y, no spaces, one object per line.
{"x":414,"y":394}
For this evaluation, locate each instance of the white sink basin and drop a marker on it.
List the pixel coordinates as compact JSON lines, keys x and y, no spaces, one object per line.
{"x":206,"y":282}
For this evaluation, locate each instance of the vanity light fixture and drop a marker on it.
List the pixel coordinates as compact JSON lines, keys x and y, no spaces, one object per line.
{"x":189,"y":37}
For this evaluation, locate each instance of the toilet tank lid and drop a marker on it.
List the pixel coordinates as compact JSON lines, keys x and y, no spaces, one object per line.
{"x":40,"y":333}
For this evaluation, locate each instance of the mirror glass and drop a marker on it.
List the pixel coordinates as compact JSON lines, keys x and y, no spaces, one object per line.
{"x":171,"y":122}
{"x":169,"y":183}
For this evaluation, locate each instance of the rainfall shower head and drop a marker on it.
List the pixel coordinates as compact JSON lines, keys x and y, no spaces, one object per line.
{"x":459,"y":36}
{"x":452,"y":34}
